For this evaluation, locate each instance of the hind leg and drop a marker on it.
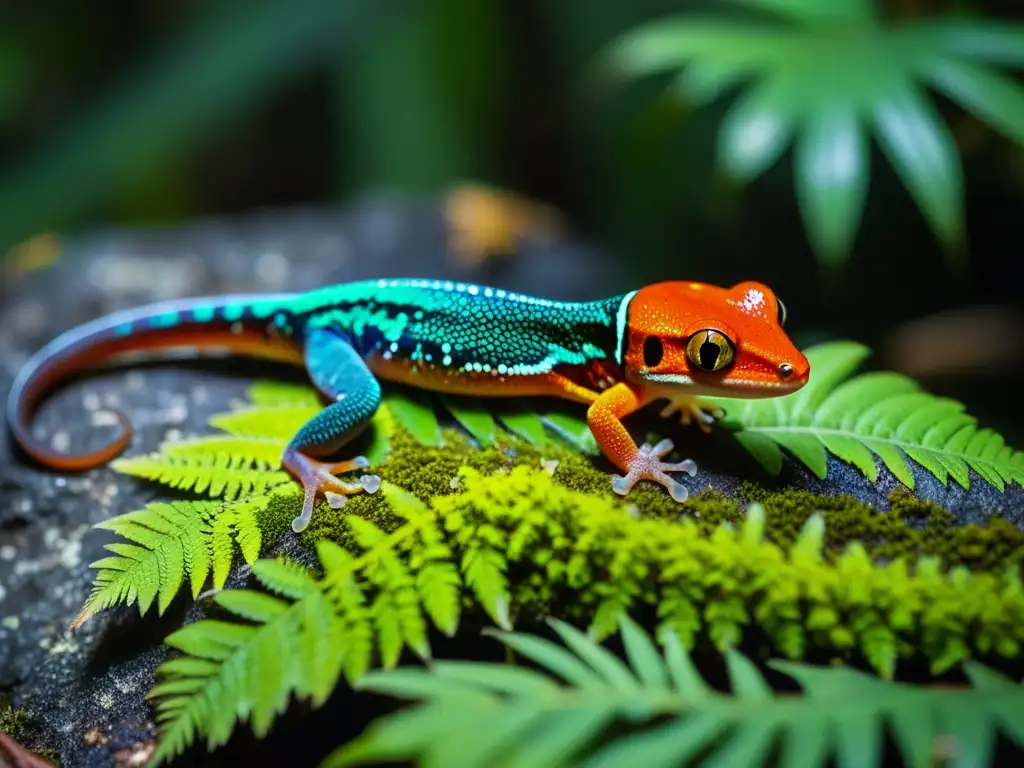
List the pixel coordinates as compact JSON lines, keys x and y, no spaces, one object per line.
{"x":339,"y":372}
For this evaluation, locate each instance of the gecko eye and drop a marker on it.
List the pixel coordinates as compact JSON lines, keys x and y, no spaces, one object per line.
{"x":782,"y":312}
{"x":653,"y":351}
{"x":709,"y":350}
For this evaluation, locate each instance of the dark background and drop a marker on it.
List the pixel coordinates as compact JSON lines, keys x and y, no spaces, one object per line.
{"x":153,"y":113}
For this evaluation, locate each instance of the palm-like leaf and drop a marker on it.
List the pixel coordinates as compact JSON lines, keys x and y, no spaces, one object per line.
{"x":494,"y":714}
{"x":879,"y":414}
{"x":826,"y":76}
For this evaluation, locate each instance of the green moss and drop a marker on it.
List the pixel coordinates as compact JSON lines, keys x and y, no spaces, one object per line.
{"x":428,"y":472}
{"x":13,"y":722}
{"x":579,"y":556}
{"x":911,"y":527}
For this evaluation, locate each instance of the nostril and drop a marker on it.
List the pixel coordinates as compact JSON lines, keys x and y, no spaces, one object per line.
{"x":785,"y":370}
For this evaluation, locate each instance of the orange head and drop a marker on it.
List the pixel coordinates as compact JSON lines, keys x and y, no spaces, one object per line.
{"x":700,"y":338}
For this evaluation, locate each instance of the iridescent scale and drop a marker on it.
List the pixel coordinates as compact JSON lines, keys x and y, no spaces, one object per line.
{"x":457,"y":326}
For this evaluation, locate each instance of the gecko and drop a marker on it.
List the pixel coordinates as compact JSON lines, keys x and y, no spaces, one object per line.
{"x":676,"y":341}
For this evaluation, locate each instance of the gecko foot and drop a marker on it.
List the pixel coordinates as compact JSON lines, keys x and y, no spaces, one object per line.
{"x":319,"y":476}
{"x":647,"y":465}
{"x":690,"y":408}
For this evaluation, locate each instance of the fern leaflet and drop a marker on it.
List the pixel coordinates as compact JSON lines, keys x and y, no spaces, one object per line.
{"x":262,"y":453}
{"x":275,"y":422}
{"x":879,"y":414}
{"x":216,"y":474}
{"x":272,"y":394}
{"x":169,"y":544}
{"x":585,"y":706}
{"x":278,"y":411}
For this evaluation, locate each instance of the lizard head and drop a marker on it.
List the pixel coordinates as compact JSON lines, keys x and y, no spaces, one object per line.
{"x":707,"y":340}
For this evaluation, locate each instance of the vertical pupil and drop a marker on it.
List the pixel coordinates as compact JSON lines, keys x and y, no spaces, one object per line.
{"x":653,"y":351}
{"x":709,"y":352}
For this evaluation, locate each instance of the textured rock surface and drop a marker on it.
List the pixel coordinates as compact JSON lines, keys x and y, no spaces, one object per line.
{"x":86,"y":690}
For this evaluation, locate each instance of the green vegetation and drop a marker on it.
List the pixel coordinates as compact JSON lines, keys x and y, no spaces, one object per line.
{"x":520,"y":545}
{"x":508,"y":516}
{"x":879,"y":414}
{"x":828,"y":77}
{"x":585,"y":707}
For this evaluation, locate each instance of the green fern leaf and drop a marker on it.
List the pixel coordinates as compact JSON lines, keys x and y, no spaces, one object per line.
{"x":573,"y":429}
{"x":279,"y":410}
{"x":171,"y":543}
{"x":883,"y":415}
{"x":523,"y":422}
{"x":431,"y":559}
{"x":382,"y":428}
{"x":271,"y":422}
{"x":656,"y":710}
{"x":417,"y":416}
{"x":214,"y":474}
{"x":396,"y":608}
{"x":247,"y":672}
{"x":474,"y":418}
{"x":483,"y":568}
{"x":263,"y":453}
{"x":274,"y":394}
{"x":344,"y":591}
{"x":254,"y":669}
{"x":301,"y":641}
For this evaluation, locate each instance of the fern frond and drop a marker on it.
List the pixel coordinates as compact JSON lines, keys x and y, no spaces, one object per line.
{"x":274,"y":394}
{"x":219,"y":475}
{"x":300,"y":642}
{"x":271,"y":422}
{"x":169,"y":544}
{"x":278,"y":411}
{"x":523,"y":422}
{"x":883,"y":414}
{"x":263,"y":453}
{"x":415,"y":412}
{"x":585,"y":706}
{"x":472,"y":416}
{"x":235,"y":671}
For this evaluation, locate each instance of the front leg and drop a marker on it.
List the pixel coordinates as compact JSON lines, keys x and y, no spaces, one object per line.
{"x":339,"y":372}
{"x":692,"y":408}
{"x":605,"y":419}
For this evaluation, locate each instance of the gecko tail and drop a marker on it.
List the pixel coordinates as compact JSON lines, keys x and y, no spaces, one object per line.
{"x":234,"y":324}
{"x":77,"y":462}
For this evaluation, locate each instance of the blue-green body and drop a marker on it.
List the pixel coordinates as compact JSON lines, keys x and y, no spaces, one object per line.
{"x":444,"y":332}
{"x":448,"y":324}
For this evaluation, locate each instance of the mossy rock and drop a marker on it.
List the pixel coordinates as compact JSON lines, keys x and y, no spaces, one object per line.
{"x":902,"y":525}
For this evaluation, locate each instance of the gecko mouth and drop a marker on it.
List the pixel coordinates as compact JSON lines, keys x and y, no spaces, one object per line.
{"x":730,"y":385}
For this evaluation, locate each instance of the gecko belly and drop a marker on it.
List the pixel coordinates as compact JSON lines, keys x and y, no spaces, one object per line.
{"x":459,"y":382}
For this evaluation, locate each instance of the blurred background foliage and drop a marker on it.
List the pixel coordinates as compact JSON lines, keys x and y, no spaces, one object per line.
{"x":863,"y":158}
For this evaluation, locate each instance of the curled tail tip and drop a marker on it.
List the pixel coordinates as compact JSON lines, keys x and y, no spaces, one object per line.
{"x":82,"y":461}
